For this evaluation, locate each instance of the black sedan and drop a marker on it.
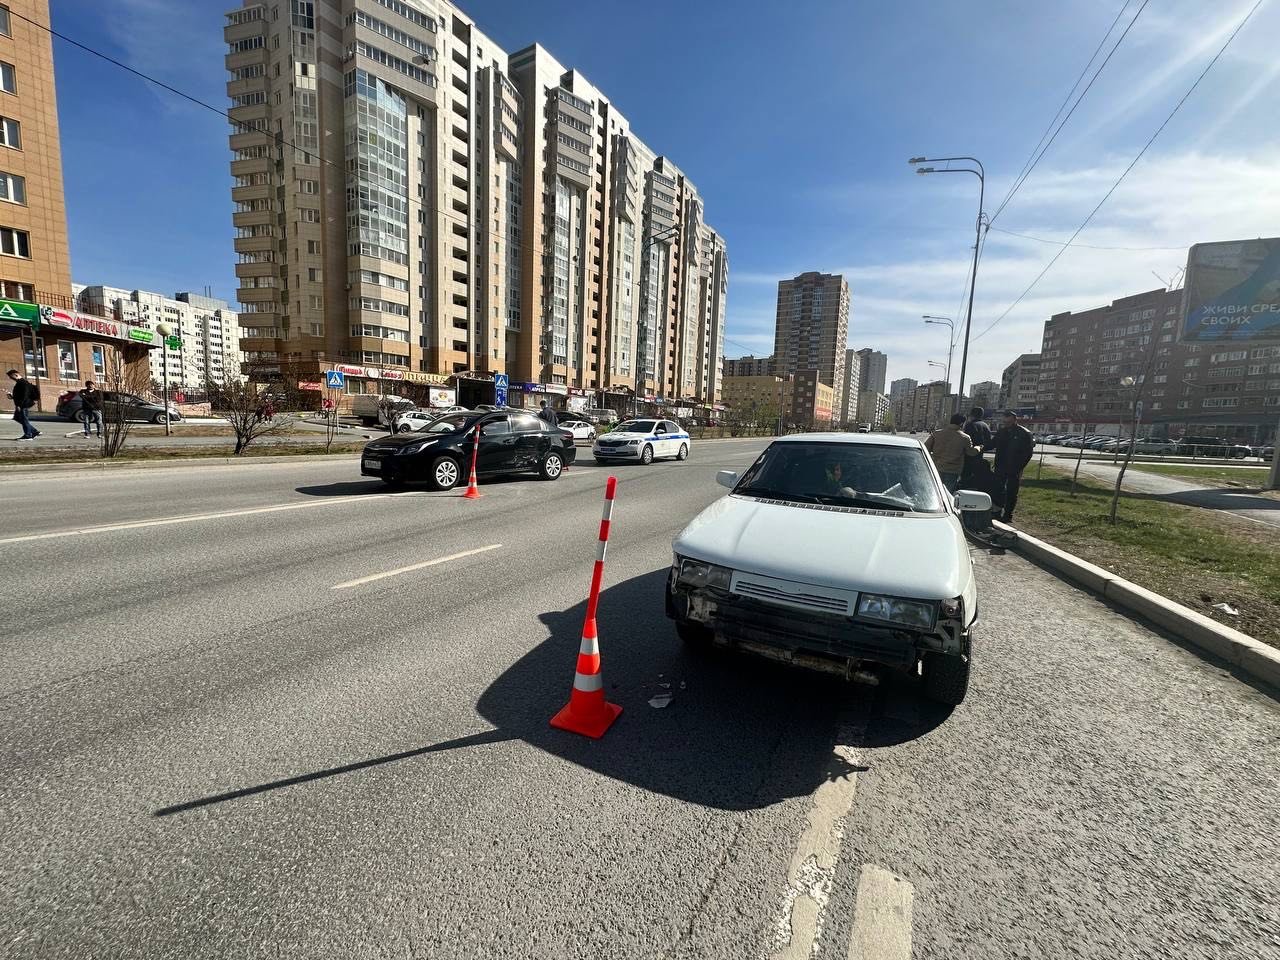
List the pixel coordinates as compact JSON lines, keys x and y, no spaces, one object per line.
{"x":511,"y":441}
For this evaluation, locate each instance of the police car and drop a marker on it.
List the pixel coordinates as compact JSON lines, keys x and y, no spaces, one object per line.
{"x":642,"y":441}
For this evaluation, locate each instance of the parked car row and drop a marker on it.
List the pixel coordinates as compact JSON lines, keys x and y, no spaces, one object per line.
{"x":134,"y":407}
{"x":1186,"y":446}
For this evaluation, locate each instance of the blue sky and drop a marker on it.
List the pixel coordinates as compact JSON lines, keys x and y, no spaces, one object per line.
{"x":795,"y":121}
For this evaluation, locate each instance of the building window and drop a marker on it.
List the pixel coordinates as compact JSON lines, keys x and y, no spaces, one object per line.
{"x":5,"y":30}
{"x":15,"y":243}
{"x":13,"y":290}
{"x":68,"y":366}
{"x":10,"y":133}
{"x":99,"y":361}
{"x":8,"y":78}
{"x":33,"y":355}
{"x":313,"y":275}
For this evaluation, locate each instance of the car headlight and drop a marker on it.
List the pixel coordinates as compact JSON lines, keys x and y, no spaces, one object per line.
{"x":696,"y":574}
{"x":412,"y":448}
{"x":909,"y":613}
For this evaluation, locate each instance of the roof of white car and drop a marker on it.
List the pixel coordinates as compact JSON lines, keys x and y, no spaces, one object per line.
{"x":878,"y":439}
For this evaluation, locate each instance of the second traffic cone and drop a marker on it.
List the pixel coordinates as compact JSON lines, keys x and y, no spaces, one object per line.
{"x":587,"y":711}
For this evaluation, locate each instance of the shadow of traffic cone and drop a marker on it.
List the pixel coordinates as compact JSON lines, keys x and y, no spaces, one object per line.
{"x":473,"y":488}
{"x":587,"y":711}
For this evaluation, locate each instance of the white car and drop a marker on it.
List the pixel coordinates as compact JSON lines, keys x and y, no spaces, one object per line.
{"x":642,"y":441}
{"x":834,"y":551}
{"x":581,"y":429}
{"x":416,"y":419}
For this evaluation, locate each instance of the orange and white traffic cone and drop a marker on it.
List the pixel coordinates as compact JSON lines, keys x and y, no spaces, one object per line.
{"x":587,"y":711}
{"x":473,"y":488}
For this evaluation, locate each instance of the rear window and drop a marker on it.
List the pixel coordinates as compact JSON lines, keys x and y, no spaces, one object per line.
{"x":524,"y":423}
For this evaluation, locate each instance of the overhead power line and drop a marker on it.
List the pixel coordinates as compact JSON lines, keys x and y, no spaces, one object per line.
{"x":1035,"y":157}
{"x":1082,"y":246}
{"x":1119,"y":180}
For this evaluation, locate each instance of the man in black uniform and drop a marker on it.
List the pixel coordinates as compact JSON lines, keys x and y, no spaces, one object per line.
{"x":1014,"y":448}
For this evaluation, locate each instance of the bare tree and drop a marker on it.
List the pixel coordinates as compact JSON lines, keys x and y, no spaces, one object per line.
{"x":390,"y":410}
{"x":121,"y":378}
{"x":251,"y":409}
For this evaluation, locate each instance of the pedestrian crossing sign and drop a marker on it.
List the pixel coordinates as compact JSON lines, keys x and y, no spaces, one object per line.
{"x":334,"y":379}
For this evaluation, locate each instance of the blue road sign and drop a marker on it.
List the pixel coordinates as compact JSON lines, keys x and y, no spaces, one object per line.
{"x":500,"y":383}
{"x":335,"y":379}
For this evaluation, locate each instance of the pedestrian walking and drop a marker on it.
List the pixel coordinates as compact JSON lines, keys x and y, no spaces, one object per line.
{"x":91,"y":407}
{"x":950,"y":447}
{"x":547,"y":415}
{"x":1014,"y":448}
{"x":24,"y":395}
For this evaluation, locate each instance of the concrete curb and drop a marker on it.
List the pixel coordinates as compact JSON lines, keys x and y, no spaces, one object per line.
{"x":1253,"y":657}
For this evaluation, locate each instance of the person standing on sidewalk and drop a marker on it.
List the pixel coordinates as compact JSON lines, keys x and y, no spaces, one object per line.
{"x":1014,"y":449}
{"x":977,"y":472}
{"x":91,"y":407}
{"x":547,"y":415}
{"x":24,"y":395}
{"x":949,"y":448}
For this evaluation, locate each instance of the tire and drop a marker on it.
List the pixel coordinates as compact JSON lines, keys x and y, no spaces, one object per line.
{"x":684,"y":452}
{"x":551,"y":467}
{"x":646,"y":455}
{"x":404,"y":428}
{"x":946,"y":677}
{"x":445,"y":474}
{"x":160,"y":418}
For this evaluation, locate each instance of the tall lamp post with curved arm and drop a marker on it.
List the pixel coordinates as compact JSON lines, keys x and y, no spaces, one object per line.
{"x":981,"y":174}
{"x":951,"y":338}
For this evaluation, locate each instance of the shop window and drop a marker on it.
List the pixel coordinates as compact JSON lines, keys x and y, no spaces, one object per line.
{"x":68,"y":367}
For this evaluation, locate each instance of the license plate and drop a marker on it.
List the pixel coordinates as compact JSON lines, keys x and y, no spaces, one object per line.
{"x":371,"y":464}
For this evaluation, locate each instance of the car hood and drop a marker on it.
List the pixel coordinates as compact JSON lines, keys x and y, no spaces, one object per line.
{"x":907,"y":555}
{"x":614,"y":435}
{"x":404,"y":439}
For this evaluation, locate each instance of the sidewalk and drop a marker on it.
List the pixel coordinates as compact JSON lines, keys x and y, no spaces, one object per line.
{"x":1239,"y":504}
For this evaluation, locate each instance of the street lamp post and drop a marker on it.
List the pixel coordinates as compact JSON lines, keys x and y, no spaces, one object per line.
{"x":951,"y":339}
{"x":980,"y":173}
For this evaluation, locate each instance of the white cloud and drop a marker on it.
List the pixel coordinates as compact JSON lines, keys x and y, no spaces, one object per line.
{"x":1171,"y":200}
{"x":164,"y":40}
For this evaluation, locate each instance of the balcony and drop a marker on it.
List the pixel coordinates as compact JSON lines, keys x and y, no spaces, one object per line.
{"x":258,"y":294}
{"x":254,"y":244}
{"x":247,"y":114}
{"x":253,"y":218}
{"x":256,"y":191}
{"x":250,"y":138}
{"x":255,"y":269}
{"x":235,"y":61}
{"x":240,"y":168}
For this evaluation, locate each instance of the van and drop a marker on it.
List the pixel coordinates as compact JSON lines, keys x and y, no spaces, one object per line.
{"x":372,"y":408}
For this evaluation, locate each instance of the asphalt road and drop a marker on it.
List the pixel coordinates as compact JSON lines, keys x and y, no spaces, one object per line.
{"x":222,"y":739}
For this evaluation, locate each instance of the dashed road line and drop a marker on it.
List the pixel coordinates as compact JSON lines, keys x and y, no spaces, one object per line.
{"x":882,"y":916}
{"x":802,"y":912}
{"x":413,"y":566}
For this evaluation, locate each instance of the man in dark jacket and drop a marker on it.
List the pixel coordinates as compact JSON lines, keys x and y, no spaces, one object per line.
{"x":547,"y":415}
{"x":977,"y":472}
{"x":1014,"y":448}
{"x":91,"y":408}
{"x":24,"y":395}
{"x":977,"y":429}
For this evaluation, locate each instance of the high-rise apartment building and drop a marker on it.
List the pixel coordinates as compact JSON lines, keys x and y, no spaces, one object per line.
{"x":851,"y":381}
{"x":872,"y":369}
{"x":414,"y":203}
{"x":1230,"y":390}
{"x":209,"y":331}
{"x":873,"y":408}
{"x":900,"y":392}
{"x":984,"y":394}
{"x":1019,"y":384}
{"x":812,"y":329}
{"x":41,"y":333}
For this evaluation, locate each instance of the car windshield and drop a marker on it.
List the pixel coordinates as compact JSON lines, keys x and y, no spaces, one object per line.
{"x":844,"y":474}
{"x":635,"y":426}
{"x":449,"y":423}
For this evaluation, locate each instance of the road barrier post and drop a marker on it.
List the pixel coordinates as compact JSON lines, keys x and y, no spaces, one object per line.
{"x":473,"y":489}
{"x":587,"y":711}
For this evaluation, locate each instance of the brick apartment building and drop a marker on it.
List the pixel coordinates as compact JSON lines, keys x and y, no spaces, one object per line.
{"x":1229,"y":390}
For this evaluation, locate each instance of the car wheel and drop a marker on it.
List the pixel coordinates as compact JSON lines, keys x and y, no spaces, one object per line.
{"x":445,"y":473}
{"x":946,"y":677}
{"x":404,"y":428}
{"x":551,"y":467}
{"x":160,"y":418}
{"x":646,"y":455}
{"x":684,"y":452}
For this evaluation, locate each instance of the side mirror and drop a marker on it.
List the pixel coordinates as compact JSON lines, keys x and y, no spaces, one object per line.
{"x":727,"y":478}
{"x":970,"y":501}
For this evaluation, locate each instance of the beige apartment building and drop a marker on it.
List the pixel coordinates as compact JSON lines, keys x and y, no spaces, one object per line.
{"x":55,"y":347}
{"x":762,"y":394}
{"x":413,"y":203}
{"x":812,"y":330}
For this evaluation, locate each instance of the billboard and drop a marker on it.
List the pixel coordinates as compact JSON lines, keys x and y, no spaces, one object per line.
{"x":1232,"y":292}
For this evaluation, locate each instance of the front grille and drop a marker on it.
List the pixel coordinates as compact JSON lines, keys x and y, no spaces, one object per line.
{"x":838,"y":603}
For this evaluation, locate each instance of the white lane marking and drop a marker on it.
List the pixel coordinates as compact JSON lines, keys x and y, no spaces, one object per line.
{"x":197,"y":517}
{"x":414,"y":566}
{"x":882,"y":916}
{"x":798,"y":924}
